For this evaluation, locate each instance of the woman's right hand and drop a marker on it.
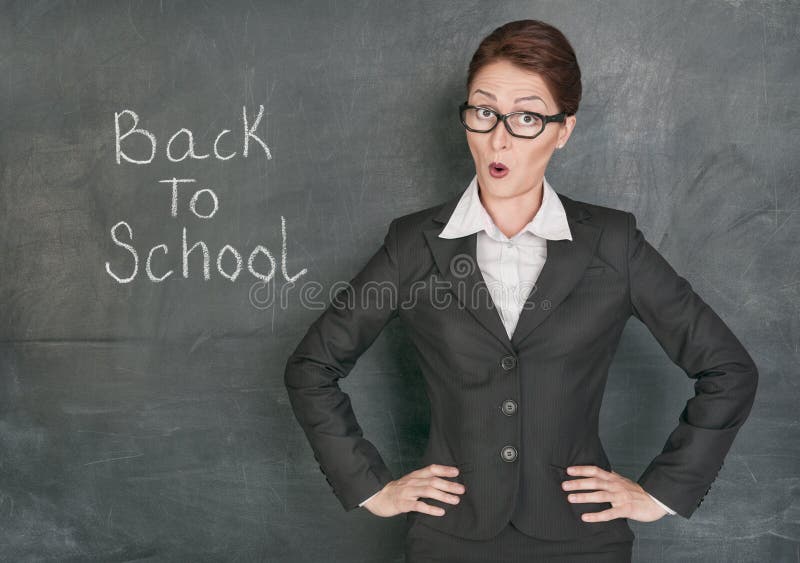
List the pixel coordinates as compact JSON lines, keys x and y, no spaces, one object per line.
{"x":404,"y":494}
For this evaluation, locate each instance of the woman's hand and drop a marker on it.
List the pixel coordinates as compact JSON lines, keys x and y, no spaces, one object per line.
{"x":403,"y":494}
{"x":628,"y":499}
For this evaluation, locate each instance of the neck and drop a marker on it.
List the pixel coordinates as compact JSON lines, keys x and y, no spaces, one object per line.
{"x":511,"y":214}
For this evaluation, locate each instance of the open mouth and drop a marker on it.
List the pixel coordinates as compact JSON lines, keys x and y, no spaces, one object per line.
{"x":498,"y":169}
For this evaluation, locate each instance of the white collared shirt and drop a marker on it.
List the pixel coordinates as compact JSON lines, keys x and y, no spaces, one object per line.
{"x":510,"y":266}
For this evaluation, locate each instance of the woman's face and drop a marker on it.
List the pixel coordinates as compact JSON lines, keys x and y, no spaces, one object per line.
{"x":500,"y":85}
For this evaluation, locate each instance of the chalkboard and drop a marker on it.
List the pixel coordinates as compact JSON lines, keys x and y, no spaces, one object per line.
{"x":143,"y":415}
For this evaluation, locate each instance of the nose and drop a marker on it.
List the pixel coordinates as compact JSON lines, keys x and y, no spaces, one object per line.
{"x":499,"y":137}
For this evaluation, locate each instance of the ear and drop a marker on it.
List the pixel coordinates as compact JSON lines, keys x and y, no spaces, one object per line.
{"x":566,"y":130}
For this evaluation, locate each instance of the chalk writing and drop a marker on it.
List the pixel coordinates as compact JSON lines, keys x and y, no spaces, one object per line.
{"x":203,"y":204}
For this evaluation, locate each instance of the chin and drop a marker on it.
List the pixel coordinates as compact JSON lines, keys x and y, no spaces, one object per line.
{"x":497,"y":185}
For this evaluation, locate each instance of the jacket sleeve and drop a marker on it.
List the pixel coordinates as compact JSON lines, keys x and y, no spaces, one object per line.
{"x":328,"y":351}
{"x":698,"y":341}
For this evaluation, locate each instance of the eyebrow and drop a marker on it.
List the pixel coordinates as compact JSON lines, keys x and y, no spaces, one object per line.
{"x":493,"y":97}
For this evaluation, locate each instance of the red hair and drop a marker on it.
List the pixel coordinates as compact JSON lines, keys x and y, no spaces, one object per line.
{"x":534,"y":46}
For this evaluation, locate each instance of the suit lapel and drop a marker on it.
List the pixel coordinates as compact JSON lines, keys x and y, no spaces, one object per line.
{"x":457,"y":262}
{"x":458,"y":266}
{"x":563,"y":269}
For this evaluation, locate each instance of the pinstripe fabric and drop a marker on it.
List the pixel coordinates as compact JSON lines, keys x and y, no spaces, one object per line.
{"x":513,"y":411}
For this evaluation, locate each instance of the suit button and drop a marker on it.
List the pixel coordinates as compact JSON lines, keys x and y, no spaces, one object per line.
{"x":509,"y":407}
{"x":508,"y":453}
{"x":508,"y":362}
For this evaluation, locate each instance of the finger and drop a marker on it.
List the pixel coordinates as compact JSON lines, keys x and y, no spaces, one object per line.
{"x":429,"y":491}
{"x":437,"y":470}
{"x":420,"y":506}
{"x":588,"y":483}
{"x":599,"y":496}
{"x":603,"y":515}
{"x":420,"y":485}
{"x":449,"y":486}
{"x":588,"y":471}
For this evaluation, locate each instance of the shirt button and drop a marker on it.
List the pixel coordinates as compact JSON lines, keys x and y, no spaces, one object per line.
{"x":508,"y":453}
{"x":509,"y":407}
{"x":508,"y":362}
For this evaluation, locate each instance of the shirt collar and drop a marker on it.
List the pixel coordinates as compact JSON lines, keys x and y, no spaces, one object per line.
{"x":470,"y":216}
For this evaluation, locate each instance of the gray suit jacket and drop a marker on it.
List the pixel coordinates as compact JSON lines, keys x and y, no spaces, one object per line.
{"x":512,"y":414}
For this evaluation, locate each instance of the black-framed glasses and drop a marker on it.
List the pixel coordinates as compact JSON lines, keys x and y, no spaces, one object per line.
{"x":524,"y":124}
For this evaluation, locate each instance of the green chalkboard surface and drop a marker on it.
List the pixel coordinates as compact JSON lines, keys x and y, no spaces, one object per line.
{"x":174,"y":174}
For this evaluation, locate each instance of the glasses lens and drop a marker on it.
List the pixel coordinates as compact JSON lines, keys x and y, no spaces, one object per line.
{"x":479,"y":119}
{"x":482,"y":120}
{"x":525,"y":124}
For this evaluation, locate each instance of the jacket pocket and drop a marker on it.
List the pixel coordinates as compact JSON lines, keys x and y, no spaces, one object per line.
{"x":594,"y":271}
{"x":465,"y":467}
{"x":619,"y":525}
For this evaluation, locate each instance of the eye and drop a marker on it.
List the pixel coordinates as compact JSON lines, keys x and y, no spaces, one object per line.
{"x":484,"y":113}
{"x":528,"y":120}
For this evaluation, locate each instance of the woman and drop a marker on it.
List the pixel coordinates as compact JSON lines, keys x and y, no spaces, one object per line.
{"x":514,"y":469}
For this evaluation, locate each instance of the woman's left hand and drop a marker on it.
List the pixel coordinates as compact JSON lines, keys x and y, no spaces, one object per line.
{"x":628,"y":499}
